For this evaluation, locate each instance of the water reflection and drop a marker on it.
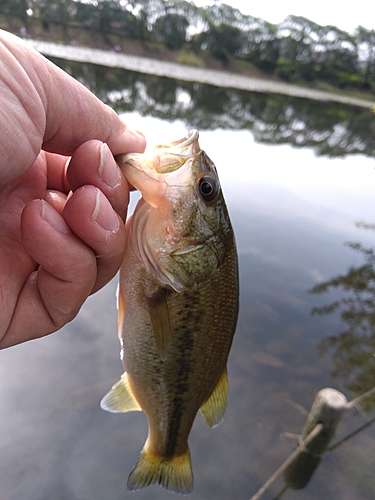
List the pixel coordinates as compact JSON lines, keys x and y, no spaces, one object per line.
{"x":353,"y":348}
{"x":291,"y":214}
{"x":331,"y":129}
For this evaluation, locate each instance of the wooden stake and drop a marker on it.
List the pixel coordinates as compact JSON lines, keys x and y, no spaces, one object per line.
{"x":327,"y":409}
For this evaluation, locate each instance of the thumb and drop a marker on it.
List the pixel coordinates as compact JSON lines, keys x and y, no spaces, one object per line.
{"x":51,"y":110}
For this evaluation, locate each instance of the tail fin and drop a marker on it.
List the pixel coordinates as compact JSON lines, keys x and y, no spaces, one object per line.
{"x":174,"y":474}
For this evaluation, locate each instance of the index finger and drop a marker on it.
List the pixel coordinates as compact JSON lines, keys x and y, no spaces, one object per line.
{"x":56,"y":112}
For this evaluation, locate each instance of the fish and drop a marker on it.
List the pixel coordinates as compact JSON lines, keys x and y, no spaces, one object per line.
{"x":177,"y":306}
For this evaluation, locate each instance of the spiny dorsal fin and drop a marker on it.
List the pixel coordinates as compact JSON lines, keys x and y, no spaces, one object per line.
{"x":174,"y":473}
{"x":214,"y":408}
{"x":159,"y":314}
{"x":120,"y":398}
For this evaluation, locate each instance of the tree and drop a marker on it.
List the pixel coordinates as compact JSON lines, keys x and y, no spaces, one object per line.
{"x":111,"y":16}
{"x":16,"y":8}
{"x":365,"y":40}
{"x":171,"y":29}
{"x":221,"y":41}
{"x":261,"y":45}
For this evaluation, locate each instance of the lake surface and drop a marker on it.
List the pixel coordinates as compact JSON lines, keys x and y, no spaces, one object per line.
{"x":299,"y":182}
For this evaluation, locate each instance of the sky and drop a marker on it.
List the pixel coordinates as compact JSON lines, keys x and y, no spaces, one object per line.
{"x":345,"y":15}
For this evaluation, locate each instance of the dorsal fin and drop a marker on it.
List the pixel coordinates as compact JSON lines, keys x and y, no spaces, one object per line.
{"x":120,"y":398}
{"x":159,"y":315}
{"x":214,"y":408}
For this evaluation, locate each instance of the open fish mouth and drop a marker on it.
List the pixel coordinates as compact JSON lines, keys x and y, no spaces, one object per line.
{"x":165,"y":158}
{"x":181,"y":144}
{"x":172,"y":156}
{"x":162,"y":172}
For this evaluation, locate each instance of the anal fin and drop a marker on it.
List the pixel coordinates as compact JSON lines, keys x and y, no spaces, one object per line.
{"x":120,"y":398}
{"x":214,"y":408}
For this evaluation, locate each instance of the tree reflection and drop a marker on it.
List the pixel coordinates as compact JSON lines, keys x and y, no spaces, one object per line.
{"x":353,"y":349}
{"x":331,"y":129}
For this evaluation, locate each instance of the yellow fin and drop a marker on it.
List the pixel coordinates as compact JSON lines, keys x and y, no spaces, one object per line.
{"x":174,"y":474}
{"x":120,"y":398}
{"x":214,"y":408}
{"x":159,"y":315}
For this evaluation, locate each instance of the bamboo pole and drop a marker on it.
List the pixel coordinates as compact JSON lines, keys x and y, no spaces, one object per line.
{"x":321,"y":424}
{"x":300,"y":449}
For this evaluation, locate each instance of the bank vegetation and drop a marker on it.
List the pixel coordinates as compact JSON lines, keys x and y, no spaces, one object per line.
{"x":296,"y":50}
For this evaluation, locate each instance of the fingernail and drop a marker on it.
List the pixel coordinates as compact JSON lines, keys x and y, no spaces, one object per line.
{"x":104,"y":214}
{"x":50,"y":215}
{"x":108,"y":170}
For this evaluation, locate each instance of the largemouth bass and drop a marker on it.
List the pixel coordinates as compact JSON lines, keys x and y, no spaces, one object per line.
{"x":178,"y":306}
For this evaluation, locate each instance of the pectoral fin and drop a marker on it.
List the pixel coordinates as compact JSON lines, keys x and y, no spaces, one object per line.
{"x":214,"y":408}
{"x":120,"y":398}
{"x":159,"y":315}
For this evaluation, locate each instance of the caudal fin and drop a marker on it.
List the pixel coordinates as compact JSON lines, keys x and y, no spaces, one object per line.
{"x":174,"y":474}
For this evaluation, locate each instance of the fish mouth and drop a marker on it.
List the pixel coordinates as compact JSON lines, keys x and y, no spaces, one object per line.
{"x":182,"y":146}
{"x":172,"y":156}
{"x":167,"y":168}
{"x":165,"y":158}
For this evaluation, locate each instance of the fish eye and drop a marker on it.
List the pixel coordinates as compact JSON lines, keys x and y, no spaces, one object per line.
{"x":208,"y":188}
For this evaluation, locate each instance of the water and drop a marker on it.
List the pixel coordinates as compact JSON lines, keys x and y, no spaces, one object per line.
{"x":293,"y":209}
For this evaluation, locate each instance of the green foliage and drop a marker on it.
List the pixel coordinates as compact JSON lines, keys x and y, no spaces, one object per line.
{"x":16,"y":8}
{"x":297,"y":50}
{"x":221,"y":41}
{"x":109,"y":17}
{"x":171,"y":29}
{"x":186,"y":56}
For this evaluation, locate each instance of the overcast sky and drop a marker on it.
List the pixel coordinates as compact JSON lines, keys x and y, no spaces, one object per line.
{"x":345,"y":15}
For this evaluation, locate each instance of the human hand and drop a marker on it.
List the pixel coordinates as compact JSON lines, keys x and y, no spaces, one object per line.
{"x":62,"y":232}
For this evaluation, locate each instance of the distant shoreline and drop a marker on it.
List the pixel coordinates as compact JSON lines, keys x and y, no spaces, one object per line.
{"x":189,"y":73}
